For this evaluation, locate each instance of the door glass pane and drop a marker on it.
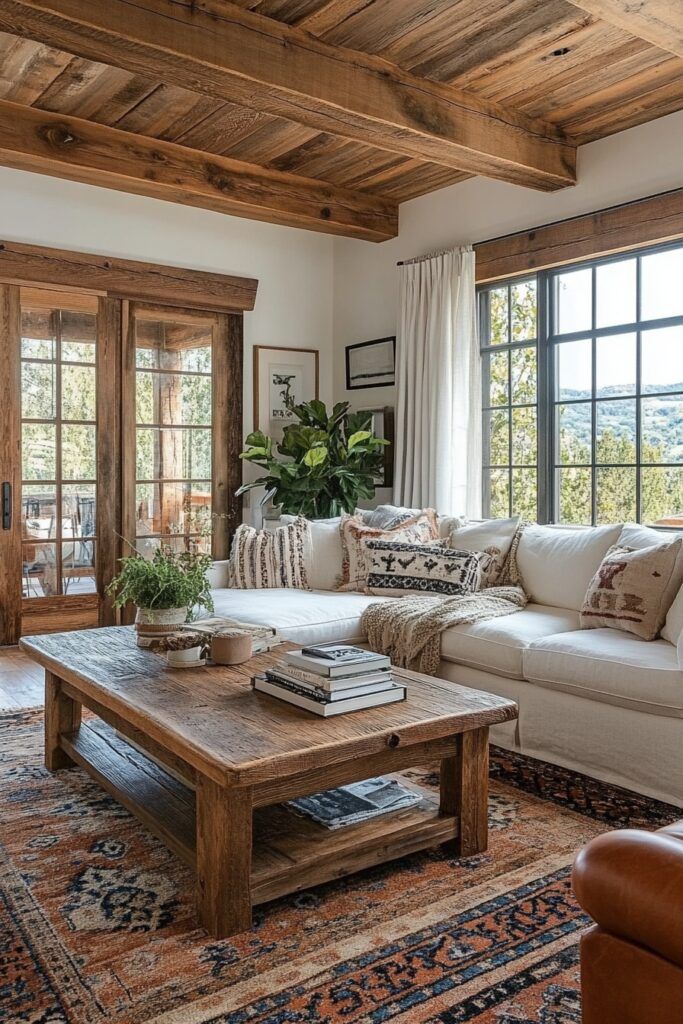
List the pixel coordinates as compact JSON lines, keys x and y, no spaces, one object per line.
{"x":173,"y":401}
{"x":58,"y":514}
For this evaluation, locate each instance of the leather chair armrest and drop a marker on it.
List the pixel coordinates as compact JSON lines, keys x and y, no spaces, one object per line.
{"x":631,"y":884}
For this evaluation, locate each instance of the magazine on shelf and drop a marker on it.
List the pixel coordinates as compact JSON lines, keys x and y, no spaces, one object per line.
{"x":358,"y":802}
{"x":325,"y":696}
{"x":327,"y":708}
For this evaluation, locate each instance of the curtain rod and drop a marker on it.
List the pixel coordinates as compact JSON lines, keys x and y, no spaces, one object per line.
{"x":552,"y":224}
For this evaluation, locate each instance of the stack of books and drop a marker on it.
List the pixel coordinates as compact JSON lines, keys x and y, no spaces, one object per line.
{"x":331,"y":679}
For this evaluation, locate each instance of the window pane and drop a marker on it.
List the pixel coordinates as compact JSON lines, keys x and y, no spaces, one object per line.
{"x":78,"y":351}
{"x":38,"y":391}
{"x":498,"y":316}
{"x":499,"y":453}
{"x":173,"y":454}
{"x":662,"y":429}
{"x":615,"y":365}
{"x":662,"y":359}
{"x":146,"y":358}
{"x":78,"y":453}
{"x":197,"y":359}
{"x":523,"y":375}
{"x":615,"y":300}
{"x":36,"y":348}
{"x":77,"y":329}
{"x":574,"y":486}
{"x":574,"y":369}
{"x":524,"y":437}
{"x":196,"y":400}
{"x":661,"y":277}
{"x":498,"y":378}
{"x":78,"y":567}
{"x":573,"y":300}
{"x":38,"y":451}
{"x":39,"y":570}
{"x":615,"y":495}
{"x":523,"y":310}
{"x":146,"y":410}
{"x":78,"y":393}
{"x":499,"y":482}
{"x":147,"y":509}
{"x":79,"y":508}
{"x":662,"y":495}
{"x":574,"y":423}
{"x":615,"y":431}
{"x":524,"y":489}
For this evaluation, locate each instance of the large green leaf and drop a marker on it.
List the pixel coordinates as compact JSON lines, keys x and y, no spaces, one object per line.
{"x":315,"y":456}
{"x":360,"y":435}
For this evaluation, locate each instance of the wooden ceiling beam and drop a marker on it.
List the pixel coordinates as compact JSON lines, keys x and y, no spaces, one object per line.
{"x":216,"y":48}
{"x":659,"y":22}
{"x":69,"y":147}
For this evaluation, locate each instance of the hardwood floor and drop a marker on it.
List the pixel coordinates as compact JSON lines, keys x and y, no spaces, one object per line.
{"x":22,"y":683}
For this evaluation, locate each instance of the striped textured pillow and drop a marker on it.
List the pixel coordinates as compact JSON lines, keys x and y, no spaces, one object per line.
{"x":261,"y":560}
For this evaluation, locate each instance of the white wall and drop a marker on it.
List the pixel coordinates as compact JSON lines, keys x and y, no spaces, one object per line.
{"x":627,"y":166}
{"x":293,"y":267}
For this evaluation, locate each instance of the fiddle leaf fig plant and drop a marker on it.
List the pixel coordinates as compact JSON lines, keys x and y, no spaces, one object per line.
{"x":324,"y":463}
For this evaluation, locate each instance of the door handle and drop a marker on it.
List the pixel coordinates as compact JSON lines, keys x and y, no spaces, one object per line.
{"x":6,"y":505}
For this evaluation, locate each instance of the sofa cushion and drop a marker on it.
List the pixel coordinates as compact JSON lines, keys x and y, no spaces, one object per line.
{"x":421,"y":529}
{"x":261,"y":559}
{"x":324,"y":562}
{"x":493,"y":535}
{"x":611,"y":667}
{"x":633,"y":589}
{"x":303,"y":616}
{"x":388,"y":517}
{"x":558,"y":562}
{"x":634,"y":535}
{"x":497,"y":645}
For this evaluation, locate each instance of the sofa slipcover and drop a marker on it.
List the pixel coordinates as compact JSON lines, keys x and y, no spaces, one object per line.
{"x":611,"y":667}
{"x":497,"y":645}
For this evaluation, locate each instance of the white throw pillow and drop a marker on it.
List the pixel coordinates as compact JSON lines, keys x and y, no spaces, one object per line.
{"x":493,"y":536}
{"x":634,"y":535}
{"x":557,"y":563}
{"x":388,"y":517}
{"x":324,"y":568}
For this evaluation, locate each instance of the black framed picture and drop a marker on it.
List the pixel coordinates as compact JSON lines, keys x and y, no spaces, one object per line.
{"x":371,"y":364}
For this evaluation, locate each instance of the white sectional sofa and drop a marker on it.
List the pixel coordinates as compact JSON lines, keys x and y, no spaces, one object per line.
{"x":599,"y":701}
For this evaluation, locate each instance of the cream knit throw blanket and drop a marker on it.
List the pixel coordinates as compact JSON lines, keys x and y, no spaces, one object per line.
{"x":409,"y":630}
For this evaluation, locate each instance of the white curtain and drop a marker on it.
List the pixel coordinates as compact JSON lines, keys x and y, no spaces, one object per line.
{"x":438,"y":377}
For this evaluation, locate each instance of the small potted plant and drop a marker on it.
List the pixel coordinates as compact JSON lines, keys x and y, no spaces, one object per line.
{"x":165,"y":588}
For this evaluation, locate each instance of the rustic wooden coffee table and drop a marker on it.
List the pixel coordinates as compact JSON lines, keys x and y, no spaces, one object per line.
{"x":241,"y":752}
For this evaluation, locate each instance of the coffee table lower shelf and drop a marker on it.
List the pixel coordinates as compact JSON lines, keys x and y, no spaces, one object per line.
{"x":289,"y":852}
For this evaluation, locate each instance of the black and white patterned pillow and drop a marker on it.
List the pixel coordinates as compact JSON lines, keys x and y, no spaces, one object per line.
{"x":399,"y":567}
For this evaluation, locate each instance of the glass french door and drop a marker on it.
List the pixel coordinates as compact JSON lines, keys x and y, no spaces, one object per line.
{"x":173,"y":471}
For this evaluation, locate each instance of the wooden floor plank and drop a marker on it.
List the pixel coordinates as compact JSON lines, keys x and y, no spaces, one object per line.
{"x":22,"y":682}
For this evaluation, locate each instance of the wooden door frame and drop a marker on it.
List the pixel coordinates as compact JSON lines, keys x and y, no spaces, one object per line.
{"x":116,"y":283}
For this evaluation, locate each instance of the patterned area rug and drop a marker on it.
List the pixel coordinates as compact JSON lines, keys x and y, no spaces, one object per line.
{"x":98,"y":921}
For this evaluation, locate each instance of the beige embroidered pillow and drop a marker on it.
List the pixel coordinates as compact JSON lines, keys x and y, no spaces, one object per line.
{"x":632,"y":589}
{"x":260,"y":559}
{"x":420,"y":529}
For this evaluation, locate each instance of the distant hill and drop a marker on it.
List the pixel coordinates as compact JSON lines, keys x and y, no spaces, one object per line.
{"x":662,"y":418}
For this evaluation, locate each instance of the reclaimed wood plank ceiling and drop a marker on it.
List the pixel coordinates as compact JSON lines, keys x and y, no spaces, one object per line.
{"x":326,"y":114}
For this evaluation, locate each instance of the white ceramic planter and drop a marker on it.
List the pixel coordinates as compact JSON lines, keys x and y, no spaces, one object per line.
{"x":191,"y":658}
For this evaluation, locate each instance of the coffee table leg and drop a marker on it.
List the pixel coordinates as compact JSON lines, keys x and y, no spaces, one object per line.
{"x":224,"y":827}
{"x":62,"y":715}
{"x":464,"y":792}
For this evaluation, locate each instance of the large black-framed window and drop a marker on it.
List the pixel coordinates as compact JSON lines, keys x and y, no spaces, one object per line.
{"x":602,"y":440}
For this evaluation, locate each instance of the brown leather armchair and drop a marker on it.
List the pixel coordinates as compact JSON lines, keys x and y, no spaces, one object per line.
{"x":631,"y":884}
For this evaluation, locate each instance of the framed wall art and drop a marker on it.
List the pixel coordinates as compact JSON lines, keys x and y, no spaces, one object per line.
{"x":281,"y":374}
{"x":371,"y":364}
